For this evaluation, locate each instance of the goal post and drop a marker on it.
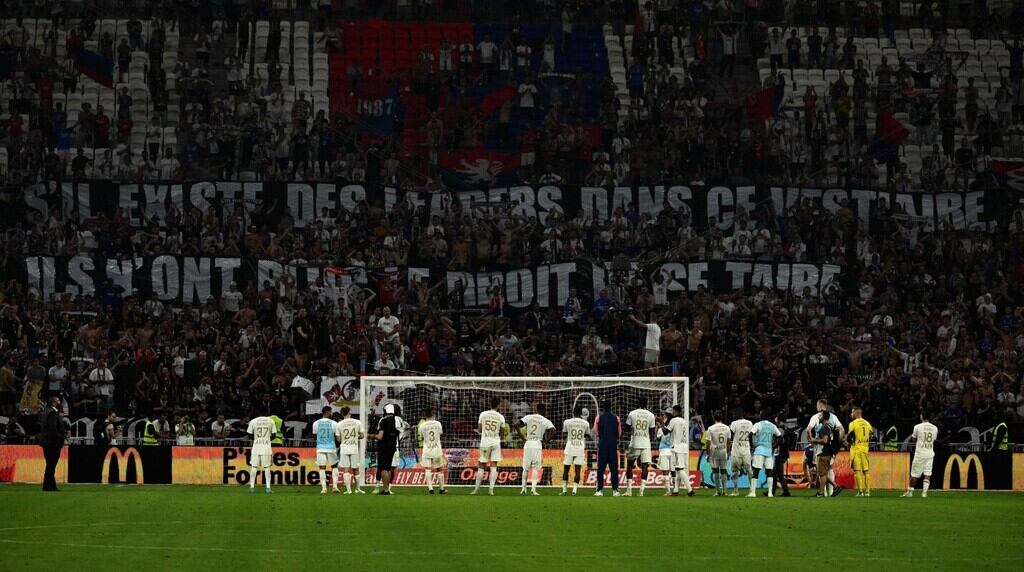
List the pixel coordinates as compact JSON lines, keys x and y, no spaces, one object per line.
{"x":457,"y":401}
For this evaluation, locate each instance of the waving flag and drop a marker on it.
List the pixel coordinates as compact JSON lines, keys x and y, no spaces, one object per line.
{"x":766,"y":103}
{"x":492,"y":99}
{"x":93,"y":65}
{"x":478,"y":168}
{"x":1009,"y":173}
{"x":889,"y":135}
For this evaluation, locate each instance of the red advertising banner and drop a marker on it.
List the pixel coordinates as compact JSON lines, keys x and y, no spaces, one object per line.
{"x":25,"y":464}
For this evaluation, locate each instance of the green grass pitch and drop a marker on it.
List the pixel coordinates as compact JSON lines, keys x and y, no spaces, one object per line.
{"x":149,"y":528}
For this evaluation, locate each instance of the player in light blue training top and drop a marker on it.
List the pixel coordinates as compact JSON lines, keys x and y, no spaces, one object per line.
{"x":765,"y":433}
{"x":665,"y":452}
{"x":325,"y":429}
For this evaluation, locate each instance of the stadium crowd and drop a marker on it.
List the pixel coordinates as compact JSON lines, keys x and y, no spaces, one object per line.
{"x":922,"y":319}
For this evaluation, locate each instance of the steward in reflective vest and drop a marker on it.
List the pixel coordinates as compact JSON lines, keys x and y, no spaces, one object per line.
{"x":149,"y":434}
{"x":892,"y":441}
{"x":1000,"y":437}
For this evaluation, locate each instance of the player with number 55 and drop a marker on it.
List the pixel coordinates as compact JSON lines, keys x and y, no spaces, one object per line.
{"x":491,"y":425}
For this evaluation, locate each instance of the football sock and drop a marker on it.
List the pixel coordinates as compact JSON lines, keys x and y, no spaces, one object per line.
{"x":479,"y":478}
{"x":867,"y":481}
{"x":252,"y":477}
{"x":924,"y":486}
{"x":266,"y":477}
{"x":771,"y":486}
{"x":334,"y":478}
{"x":430,"y":479}
{"x":323,"y":479}
{"x":348,"y":481}
{"x":493,"y":479}
{"x":685,"y":475}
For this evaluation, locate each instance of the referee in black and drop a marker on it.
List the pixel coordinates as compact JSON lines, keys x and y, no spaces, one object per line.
{"x":388,"y":431}
{"x":51,"y":438}
{"x":780,"y":448}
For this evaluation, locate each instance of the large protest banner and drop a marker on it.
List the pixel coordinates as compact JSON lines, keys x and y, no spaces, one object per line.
{"x":189,"y":279}
{"x":142,"y":204}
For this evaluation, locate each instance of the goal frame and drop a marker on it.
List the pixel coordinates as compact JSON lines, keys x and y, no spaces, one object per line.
{"x":672,"y":381}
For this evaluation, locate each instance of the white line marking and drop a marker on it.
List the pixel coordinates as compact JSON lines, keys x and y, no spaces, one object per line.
{"x":475,"y":554}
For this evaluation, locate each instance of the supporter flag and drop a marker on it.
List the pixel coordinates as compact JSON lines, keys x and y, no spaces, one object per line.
{"x":378,"y":116}
{"x":95,"y":66}
{"x":766,"y":103}
{"x":492,"y":99}
{"x":889,"y":135}
{"x":333,"y":394}
{"x":1009,"y":173}
{"x":299,"y":382}
{"x":476,"y":168}
{"x":336,"y":270}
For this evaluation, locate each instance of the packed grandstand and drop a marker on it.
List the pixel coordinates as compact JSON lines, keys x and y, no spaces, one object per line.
{"x":211,"y":207}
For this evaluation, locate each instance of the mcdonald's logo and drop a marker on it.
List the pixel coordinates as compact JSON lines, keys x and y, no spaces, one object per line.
{"x":122,"y":465}
{"x":964,"y":466}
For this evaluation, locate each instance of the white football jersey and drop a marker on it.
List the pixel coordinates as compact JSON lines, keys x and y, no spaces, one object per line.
{"x":431,"y":432}
{"x":833,"y":422}
{"x":491,"y":424}
{"x":642,"y":421}
{"x":262,"y":430}
{"x":536,"y":426}
{"x":348,"y":431}
{"x":680,"y":430}
{"x":741,"y":430}
{"x":719,"y":435}
{"x":925,"y":434}
{"x":576,"y":430}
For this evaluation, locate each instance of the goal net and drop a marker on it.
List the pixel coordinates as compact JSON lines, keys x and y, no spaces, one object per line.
{"x":458,"y":401}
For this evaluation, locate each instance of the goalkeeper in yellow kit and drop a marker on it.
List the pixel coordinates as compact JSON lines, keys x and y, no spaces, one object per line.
{"x":858,"y":437}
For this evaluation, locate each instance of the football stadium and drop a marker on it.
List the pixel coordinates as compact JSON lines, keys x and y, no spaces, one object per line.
{"x":583,"y":284}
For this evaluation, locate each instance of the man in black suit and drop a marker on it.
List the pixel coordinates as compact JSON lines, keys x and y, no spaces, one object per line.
{"x":51,"y":438}
{"x":389,"y":429}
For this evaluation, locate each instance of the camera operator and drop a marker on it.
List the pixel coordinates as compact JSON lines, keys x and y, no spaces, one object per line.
{"x":106,"y":432}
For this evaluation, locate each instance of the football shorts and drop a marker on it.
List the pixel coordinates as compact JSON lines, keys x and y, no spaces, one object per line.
{"x":680,"y":459}
{"x":261,"y":461}
{"x":665,"y":460}
{"x":532,"y":458}
{"x":432,"y":459}
{"x":740,"y":462}
{"x":575,"y":458}
{"x":859,"y":460}
{"x":641,"y":453}
{"x":921,"y":467}
{"x":348,"y":461}
{"x":491,"y":454}
{"x":326,"y":458}
{"x":719,"y":459}
{"x":763,"y":462}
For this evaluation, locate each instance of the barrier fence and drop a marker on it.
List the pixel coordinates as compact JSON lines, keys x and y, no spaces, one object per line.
{"x":296,"y":466}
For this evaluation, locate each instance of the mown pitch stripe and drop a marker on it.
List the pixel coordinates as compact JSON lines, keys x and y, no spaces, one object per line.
{"x":545,"y":555}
